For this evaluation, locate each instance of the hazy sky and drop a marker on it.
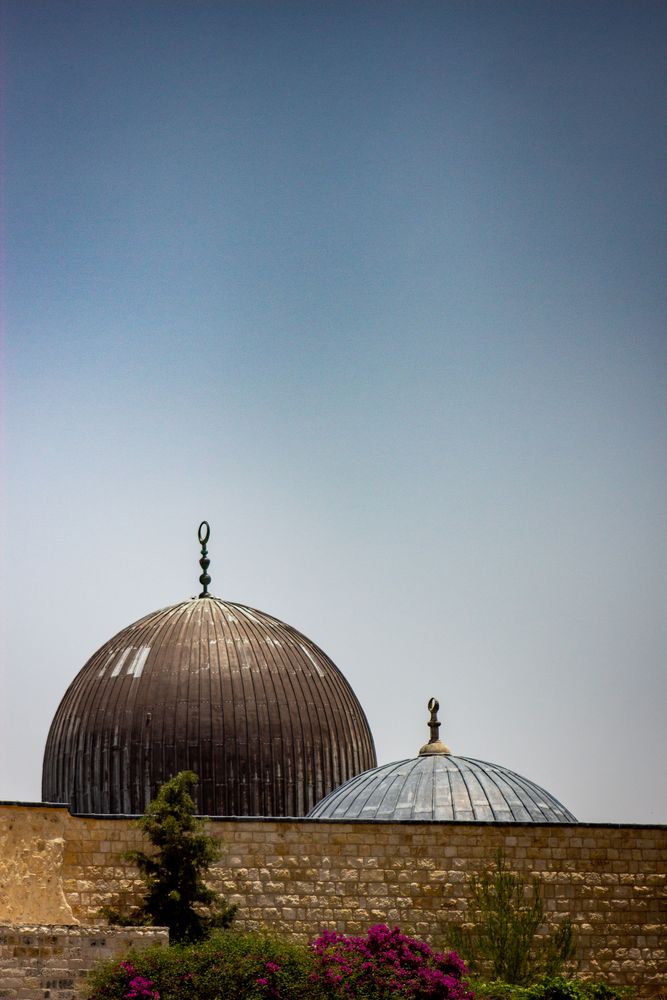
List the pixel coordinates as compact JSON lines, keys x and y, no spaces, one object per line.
{"x":379,"y":290}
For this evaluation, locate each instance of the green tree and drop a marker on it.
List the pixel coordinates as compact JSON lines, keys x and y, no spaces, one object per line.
{"x":501,"y":932}
{"x":176,"y":894}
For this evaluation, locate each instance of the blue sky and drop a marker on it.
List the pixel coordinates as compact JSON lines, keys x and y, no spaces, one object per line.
{"x":379,"y":290}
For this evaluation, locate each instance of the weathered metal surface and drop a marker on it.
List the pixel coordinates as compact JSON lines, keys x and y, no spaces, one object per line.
{"x":442,"y":787}
{"x":256,"y":709}
{"x":436,"y":785}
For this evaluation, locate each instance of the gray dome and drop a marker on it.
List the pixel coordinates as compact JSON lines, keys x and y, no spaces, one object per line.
{"x":436,"y":785}
{"x":442,"y":787}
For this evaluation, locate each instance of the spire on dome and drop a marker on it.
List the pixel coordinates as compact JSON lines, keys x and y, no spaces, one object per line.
{"x":203,"y":535}
{"x":434,"y":745}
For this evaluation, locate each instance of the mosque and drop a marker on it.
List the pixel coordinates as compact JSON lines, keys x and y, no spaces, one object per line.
{"x":312,"y":832}
{"x":266,"y":720}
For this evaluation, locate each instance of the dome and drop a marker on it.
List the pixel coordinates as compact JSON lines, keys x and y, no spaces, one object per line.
{"x":255,"y":708}
{"x":436,"y":785}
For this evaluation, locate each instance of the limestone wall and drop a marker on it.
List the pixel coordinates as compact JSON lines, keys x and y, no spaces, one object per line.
{"x":32,"y":842}
{"x":52,"y":962}
{"x":298,"y":876}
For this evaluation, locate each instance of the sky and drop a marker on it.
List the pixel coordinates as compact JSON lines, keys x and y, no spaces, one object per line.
{"x":378,"y":289}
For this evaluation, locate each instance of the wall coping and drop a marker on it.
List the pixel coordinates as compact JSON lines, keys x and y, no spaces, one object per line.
{"x":512,"y":824}
{"x":79,"y":930}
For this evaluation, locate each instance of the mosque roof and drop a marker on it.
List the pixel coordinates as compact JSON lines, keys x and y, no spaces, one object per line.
{"x":254,"y":707}
{"x":437,"y":785}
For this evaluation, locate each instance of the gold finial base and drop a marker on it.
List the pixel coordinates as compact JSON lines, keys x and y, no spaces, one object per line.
{"x":436,"y":747}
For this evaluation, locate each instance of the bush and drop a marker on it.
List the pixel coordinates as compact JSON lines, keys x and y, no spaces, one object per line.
{"x":225,"y":967}
{"x":551,"y":988}
{"x":386,"y":964}
{"x":505,"y":915}
{"x":383,"y":965}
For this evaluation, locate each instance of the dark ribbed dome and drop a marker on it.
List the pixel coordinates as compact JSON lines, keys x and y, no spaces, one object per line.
{"x":436,"y":785}
{"x":256,"y":709}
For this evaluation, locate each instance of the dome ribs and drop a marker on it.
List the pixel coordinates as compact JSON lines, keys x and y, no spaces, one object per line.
{"x":236,"y":744}
{"x":275,"y":732}
{"x":442,"y":788}
{"x":208,"y":762}
{"x":305,"y":705}
{"x":225,"y":743}
{"x":299,"y":751}
{"x":262,"y":715}
{"x":471,"y":784}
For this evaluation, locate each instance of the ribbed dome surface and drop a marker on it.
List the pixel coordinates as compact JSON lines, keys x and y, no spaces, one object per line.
{"x":256,"y":709}
{"x":442,"y":787}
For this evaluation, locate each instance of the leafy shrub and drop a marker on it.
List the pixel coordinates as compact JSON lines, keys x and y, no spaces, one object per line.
{"x":505,"y":915}
{"x":383,"y":965}
{"x":225,"y":967}
{"x":551,"y":988}
{"x":174,"y":872}
{"x":386,"y":964}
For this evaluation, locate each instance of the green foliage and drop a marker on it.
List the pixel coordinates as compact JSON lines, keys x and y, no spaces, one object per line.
{"x":256,"y":966}
{"x":550,"y":988}
{"x":176,"y":894}
{"x":505,"y":916}
{"x":227,"y":966}
{"x":382,"y":965}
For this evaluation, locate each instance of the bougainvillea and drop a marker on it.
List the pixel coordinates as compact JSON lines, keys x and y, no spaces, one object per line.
{"x":386,"y":963}
{"x":138,"y":987}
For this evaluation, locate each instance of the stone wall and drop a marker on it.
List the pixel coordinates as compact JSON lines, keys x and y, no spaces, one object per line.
{"x":297,"y":876}
{"x":52,"y":962}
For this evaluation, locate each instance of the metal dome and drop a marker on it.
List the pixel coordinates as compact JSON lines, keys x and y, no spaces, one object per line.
{"x":255,"y":708}
{"x":436,"y":785}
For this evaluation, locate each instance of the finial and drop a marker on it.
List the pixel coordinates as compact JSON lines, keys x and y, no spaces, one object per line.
{"x":204,"y":562}
{"x":434,"y":745}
